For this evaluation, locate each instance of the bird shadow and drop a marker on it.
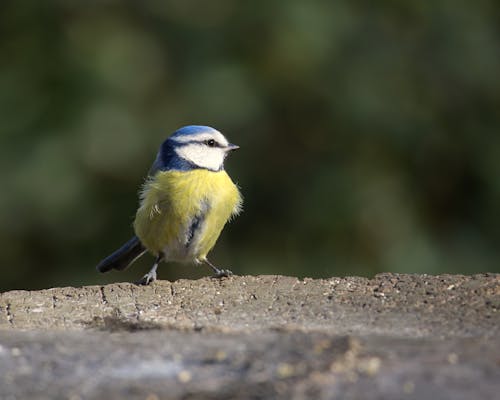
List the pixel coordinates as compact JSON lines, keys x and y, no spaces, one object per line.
{"x":117,"y":322}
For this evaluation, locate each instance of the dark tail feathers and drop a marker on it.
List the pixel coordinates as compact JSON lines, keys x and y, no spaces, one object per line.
{"x":122,"y":257}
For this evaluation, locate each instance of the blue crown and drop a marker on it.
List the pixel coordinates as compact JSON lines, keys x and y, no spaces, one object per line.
{"x":192,"y":130}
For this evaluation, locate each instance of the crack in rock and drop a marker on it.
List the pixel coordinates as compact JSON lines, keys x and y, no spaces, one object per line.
{"x":10,"y":317}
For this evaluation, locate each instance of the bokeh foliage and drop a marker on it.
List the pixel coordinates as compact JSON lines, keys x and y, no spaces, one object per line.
{"x":369,"y":132}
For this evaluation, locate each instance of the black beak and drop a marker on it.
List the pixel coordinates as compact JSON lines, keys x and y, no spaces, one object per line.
{"x":232,"y":147}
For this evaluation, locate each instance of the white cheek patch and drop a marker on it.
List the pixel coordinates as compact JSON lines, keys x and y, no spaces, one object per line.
{"x":202,"y":156}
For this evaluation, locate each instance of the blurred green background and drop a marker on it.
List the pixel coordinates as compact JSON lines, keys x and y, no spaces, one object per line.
{"x":369,"y":133}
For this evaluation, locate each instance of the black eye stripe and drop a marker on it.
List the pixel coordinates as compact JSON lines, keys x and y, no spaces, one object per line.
{"x":207,"y":142}
{"x":211,"y":143}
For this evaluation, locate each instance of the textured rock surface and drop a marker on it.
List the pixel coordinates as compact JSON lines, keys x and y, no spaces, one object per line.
{"x":391,"y":337}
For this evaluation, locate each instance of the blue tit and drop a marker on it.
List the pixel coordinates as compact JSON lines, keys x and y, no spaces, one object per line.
{"x":184,"y":203}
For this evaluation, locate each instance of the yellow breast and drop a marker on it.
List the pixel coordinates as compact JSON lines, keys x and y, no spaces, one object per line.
{"x":172,"y":200}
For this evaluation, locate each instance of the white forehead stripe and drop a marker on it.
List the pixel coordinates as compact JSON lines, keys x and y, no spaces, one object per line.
{"x":202,"y":136}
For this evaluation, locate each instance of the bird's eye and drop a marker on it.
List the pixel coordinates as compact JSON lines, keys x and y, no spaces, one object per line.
{"x":210,"y":143}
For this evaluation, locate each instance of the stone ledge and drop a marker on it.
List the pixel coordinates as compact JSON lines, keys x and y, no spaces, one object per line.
{"x":389,"y":304}
{"x":390,"y":337}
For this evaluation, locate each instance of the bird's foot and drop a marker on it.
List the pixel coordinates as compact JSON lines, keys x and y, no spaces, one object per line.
{"x":222,"y":273}
{"x":147,"y":279}
{"x":218,"y":273}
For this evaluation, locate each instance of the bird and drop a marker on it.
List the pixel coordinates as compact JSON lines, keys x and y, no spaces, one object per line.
{"x":184,"y":203}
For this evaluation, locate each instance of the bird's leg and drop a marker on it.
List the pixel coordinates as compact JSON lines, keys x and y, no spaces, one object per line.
{"x":150,"y":277}
{"x":218,"y":273}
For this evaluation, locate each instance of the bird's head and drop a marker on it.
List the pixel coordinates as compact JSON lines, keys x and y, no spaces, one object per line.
{"x":197,"y":146}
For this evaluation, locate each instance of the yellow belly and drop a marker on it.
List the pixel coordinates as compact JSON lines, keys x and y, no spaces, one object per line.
{"x":170,"y":201}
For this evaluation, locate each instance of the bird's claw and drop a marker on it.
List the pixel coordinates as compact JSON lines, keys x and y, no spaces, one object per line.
{"x":222,"y":273}
{"x":147,"y":279}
